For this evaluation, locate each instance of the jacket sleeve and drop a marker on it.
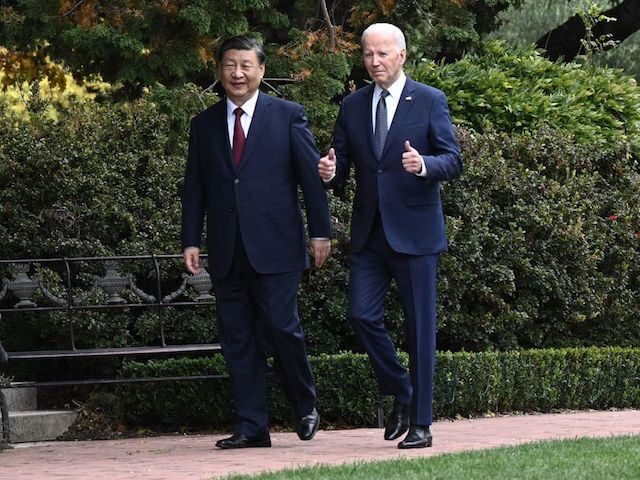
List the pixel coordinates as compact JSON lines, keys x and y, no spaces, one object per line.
{"x":193,"y":195}
{"x":306,"y":158}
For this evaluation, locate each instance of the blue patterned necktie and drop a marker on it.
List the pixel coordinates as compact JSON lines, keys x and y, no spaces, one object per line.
{"x":382,"y":127}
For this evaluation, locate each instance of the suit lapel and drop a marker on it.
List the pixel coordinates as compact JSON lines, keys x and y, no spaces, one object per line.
{"x":367,"y":100}
{"x":404,"y":105}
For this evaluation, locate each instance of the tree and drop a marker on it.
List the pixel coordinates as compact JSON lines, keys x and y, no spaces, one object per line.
{"x":566,"y":41}
{"x":136,"y":43}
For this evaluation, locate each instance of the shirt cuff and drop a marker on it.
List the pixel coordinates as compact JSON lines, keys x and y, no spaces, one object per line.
{"x":332,"y":177}
{"x":423,"y":172}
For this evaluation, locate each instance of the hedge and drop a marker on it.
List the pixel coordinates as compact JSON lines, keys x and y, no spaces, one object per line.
{"x":517,"y":89}
{"x":466,"y":384}
{"x":544,"y":223}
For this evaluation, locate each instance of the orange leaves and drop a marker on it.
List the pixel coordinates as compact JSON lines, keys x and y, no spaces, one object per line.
{"x":207,"y":50}
{"x":83,"y":12}
{"x":387,"y":6}
{"x":169,"y":7}
{"x":461,"y":3}
{"x":318,"y":41}
{"x":19,"y":67}
{"x":302,"y":74}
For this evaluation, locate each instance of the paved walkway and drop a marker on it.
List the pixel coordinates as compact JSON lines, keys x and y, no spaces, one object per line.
{"x":195,"y":457}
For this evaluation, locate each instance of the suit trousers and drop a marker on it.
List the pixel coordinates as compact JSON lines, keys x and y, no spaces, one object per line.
{"x":257,"y":318}
{"x":371,"y":272}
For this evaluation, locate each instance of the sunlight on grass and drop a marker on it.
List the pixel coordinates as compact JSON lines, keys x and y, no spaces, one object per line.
{"x":613,"y":458}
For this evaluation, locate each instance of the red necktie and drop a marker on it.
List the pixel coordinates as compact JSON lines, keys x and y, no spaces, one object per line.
{"x":238,"y":137}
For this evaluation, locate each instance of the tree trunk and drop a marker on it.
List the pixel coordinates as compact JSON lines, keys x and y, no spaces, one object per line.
{"x":564,"y":40}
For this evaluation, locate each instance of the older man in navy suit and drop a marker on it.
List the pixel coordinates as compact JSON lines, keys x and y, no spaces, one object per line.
{"x":248,"y":154}
{"x":398,"y":136}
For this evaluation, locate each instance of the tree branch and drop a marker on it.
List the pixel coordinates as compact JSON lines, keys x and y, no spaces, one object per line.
{"x":71,"y":10}
{"x":330,"y":26}
{"x":564,"y":41}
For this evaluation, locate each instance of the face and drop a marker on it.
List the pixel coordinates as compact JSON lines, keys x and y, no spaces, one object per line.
{"x":383,"y":59}
{"x":240,"y":74}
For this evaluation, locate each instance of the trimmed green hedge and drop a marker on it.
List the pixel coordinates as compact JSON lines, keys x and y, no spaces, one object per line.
{"x":466,"y":384}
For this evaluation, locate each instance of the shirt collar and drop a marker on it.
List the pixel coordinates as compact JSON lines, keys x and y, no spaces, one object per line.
{"x":248,"y":107}
{"x":395,"y":90}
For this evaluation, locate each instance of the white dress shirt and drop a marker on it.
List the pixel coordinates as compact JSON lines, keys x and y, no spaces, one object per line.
{"x":249,"y":107}
{"x":392,"y":101}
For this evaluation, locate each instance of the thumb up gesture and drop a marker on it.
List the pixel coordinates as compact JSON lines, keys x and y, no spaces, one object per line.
{"x":411,"y":159}
{"x":327,"y":166}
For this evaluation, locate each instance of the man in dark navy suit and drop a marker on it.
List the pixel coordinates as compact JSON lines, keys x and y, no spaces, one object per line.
{"x":398,"y":136}
{"x":248,"y":154}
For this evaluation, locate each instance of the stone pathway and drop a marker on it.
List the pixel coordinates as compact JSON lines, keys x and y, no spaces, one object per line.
{"x":195,"y":457}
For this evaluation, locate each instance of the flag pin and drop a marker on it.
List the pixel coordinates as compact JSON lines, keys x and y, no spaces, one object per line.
{"x":408,"y":98}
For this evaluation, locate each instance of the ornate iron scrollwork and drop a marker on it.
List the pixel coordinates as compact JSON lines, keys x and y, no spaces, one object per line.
{"x":113,"y":283}
{"x":23,"y":287}
{"x":201,"y":283}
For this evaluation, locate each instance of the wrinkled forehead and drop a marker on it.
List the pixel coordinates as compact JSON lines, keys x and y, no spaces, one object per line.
{"x":240,"y":56}
{"x":378,"y":42}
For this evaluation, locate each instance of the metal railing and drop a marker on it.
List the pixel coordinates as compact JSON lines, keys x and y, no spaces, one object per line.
{"x":24,"y":291}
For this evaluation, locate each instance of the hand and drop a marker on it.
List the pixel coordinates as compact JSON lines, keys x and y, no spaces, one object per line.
{"x":327,"y":166}
{"x":411,"y":159}
{"x":191,"y":258}
{"x":320,"y":250}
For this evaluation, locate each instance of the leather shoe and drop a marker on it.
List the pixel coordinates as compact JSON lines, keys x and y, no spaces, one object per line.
{"x":418,"y":437}
{"x":308,"y":425}
{"x":242,"y":441}
{"x":397,"y":422}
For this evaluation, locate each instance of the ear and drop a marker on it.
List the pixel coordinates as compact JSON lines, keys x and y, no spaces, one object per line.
{"x":403,"y":56}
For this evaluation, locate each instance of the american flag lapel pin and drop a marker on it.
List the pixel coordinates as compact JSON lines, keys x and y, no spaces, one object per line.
{"x":408,"y":98}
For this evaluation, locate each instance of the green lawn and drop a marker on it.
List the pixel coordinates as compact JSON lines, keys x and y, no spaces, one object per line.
{"x":614,"y":458}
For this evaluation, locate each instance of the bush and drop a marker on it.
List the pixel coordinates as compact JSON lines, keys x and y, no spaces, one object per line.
{"x":543,"y":223}
{"x":544,"y":245}
{"x":103,"y":181}
{"x":516,"y":89}
{"x":466,"y":384}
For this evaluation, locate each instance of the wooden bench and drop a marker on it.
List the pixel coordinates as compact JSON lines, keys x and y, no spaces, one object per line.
{"x":116,"y":292}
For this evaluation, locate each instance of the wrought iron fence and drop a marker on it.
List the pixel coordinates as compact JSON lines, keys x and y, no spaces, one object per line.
{"x":75,"y":286}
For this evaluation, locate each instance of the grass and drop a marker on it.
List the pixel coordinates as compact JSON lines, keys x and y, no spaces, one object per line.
{"x":612,"y":458}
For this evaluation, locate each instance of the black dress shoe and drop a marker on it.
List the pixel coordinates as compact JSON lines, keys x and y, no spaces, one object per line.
{"x":242,"y":441}
{"x":308,"y":425}
{"x":397,"y":422}
{"x":418,"y":437}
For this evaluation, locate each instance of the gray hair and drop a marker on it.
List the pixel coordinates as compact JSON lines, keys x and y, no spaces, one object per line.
{"x":386,"y":28}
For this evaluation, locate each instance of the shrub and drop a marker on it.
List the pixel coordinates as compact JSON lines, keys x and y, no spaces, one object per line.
{"x":516,"y":89}
{"x":466,"y":384}
{"x":543,"y":223}
{"x":544,"y":245}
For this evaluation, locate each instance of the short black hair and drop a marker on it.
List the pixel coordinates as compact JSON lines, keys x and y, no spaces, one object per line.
{"x":241,"y":42}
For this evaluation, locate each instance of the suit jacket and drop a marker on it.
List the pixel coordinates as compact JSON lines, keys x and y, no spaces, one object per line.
{"x":259,"y":199}
{"x":409,"y":205}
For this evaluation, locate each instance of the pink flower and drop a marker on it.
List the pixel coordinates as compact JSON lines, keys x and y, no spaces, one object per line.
{"x":613,"y":218}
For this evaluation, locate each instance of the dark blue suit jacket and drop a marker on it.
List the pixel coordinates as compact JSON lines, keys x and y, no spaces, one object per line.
{"x":410,"y":206}
{"x":260,"y":197}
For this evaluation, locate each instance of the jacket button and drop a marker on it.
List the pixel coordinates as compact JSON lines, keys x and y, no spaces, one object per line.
{"x":236,"y":181}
